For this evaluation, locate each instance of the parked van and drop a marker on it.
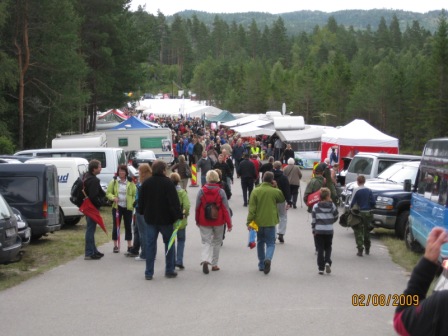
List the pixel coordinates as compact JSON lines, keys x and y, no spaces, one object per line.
{"x":159,"y":140}
{"x":69,"y":169}
{"x":10,"y":242}
{"x":96,"y":139}
{"x":429,"y":200}
{"x":372,"y":164}
{"x":109,"y":157}
{"x":33,"y":190}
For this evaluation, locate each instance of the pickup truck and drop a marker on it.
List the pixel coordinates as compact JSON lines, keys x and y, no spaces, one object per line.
{"x":392,"y":193}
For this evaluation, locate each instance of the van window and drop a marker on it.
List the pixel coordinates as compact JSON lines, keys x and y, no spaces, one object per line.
{"x":121,"y":158}
{"x":20,"y":190}
{"x":361,"y":165}
{"x":433,"y":185}
{"x":50,"y":183}
{"x":384,"y":164}
{"x":100,"y":156}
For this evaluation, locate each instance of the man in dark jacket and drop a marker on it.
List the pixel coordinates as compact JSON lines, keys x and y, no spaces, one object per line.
{"x":246,"y":170}
{"x":159,"y":203}
{"x":237,"y":152}
{"x":268,"y":166}
{"x":96,"y":194}
{"x":283,"y":185}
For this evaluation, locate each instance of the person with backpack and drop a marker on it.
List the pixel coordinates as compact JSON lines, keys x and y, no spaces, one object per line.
{"x":95,"y":193}
{"x":212,"y":212}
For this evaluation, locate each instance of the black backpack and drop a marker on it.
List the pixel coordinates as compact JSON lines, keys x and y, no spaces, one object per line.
{"x":77,"y":192}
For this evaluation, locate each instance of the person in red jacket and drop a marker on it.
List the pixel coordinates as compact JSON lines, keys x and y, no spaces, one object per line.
{"x":212,"y":213}
{"x":257,"y":163}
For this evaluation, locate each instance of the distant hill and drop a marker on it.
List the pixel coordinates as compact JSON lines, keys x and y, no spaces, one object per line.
{"x":306,"y":20}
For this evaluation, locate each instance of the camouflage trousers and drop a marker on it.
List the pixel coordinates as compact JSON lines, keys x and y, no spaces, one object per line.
{"x":362,"y":230}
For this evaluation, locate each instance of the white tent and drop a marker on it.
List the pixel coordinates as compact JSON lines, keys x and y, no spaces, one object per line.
{"x":242,"y":121}
{"x":250,"y":130}
{"x":309,"y":133}
{"x":358,"y":136}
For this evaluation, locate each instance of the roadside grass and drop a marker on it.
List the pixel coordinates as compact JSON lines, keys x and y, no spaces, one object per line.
{"x":397,"y":249}
{"x":53,"y":250}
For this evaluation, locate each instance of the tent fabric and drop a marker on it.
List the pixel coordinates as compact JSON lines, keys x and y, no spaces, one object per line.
{"x":242,"y":121}
{"x":304,"y":135}
{"x":359,"y":133}
{"x":252,"y":130}
{"x":222,"y":117}
{"x":131,"y":123}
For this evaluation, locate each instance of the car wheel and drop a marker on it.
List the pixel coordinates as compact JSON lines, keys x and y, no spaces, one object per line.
{"x":410,"y":241}
{"x":61,"y":217}
{"x":73,"y":220}
{"x":400,"y":225}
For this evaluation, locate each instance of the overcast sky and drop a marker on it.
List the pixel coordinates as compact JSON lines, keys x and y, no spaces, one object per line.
{"x":169,"y":7}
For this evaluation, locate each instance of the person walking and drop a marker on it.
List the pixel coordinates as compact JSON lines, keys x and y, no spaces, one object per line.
{"x":181,"y":233}
{"x":121,"y":192}
{"x":212,"y":213}
{"x":238,"y":150}
{"x":268,"y":166}
{"x":139,"y":244}
{"x":227,"y":175}
{"x":246,"y":170}
{"x":294,"y":175}
{"x":159,"y":203}
{"x":182,"y":169}
{"x":204,"y":165}
{"x":288,"y":154}
{"x":282,"y":208}
{"x":263,"y":211}
{"x":324,"y":214}
{"x":95,"y":193}
{"x":363,"y":198}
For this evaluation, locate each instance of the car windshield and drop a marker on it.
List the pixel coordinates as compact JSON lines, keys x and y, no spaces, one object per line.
{"x":145,"y":155}
{"x":399,"y":172}
{"x":361,"y":165}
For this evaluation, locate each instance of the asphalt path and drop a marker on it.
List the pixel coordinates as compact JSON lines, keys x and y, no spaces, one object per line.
{"x":111,"y":296}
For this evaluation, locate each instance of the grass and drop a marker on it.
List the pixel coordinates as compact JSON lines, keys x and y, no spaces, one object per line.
{"x":398,"y":250}
{"x":51,"y":251}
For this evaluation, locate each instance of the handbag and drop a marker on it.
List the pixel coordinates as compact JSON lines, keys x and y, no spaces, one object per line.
{"x":187,"y":171}
{"x":313,"y":198}
{"x":354,"y":218}
{"x":343,"y":219}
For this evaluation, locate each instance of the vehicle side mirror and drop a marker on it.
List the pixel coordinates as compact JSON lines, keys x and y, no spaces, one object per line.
{"x":407,"y":185}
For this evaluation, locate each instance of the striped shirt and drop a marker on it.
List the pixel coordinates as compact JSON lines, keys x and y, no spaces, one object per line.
{"x":324,"y":214}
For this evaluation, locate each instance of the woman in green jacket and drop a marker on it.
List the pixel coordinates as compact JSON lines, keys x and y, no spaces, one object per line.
{"x":185,"y":204}
{"x":121,"y":192}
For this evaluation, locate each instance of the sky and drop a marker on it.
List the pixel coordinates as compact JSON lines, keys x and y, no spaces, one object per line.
{"x":169,"y":7}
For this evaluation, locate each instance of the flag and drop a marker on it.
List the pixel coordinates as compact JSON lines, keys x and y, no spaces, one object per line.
{"x":173,"y":236}
{"x":89,"y":210}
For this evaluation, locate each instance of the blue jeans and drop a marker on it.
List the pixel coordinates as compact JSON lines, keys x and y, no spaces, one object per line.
{"x":152,"y":233}
{"x":141,"y":225}
{"x":265,"y":244}
{"x":180,"y":246}
{"x":90,"y":249}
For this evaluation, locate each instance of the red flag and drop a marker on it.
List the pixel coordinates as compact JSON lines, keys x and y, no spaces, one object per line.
{"x":88,"y":209}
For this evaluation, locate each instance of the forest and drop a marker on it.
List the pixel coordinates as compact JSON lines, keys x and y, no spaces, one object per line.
{"x":62,"y":61}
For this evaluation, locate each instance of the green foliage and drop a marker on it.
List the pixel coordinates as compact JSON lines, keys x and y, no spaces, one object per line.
{"x":6,"y":145}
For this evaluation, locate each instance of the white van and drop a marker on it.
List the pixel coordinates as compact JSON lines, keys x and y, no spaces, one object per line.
{"x":109,"y":157}
{"x":96,"y":139}
{"x":372,"y":164}
{"x":69,"y":169}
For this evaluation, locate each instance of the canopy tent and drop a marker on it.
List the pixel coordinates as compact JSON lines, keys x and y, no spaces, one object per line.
{"x":357,"y":136}
{"x":242,"y":121}
{"x":250,"y":130}
{"x":111,"y":115}
{"x":222,"y":117}
{"x":308,"y":134}
{"x":132,"y":123}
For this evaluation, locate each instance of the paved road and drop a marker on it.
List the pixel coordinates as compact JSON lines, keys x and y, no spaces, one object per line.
{"x":111,"y":296}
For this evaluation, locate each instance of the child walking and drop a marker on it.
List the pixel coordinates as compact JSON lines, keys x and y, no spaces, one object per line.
{"x":324,"y":214}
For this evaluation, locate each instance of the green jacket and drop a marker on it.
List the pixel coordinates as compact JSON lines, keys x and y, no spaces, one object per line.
{"x":263,"y":205}
{"x":185,"y":205}
{"x":112,"y":192}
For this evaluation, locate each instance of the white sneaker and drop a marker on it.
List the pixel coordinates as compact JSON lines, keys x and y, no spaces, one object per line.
{"x":139,"y":259}
{"x":327,"y":268}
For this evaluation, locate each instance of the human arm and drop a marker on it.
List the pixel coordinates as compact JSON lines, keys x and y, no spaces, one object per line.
{"x":421,"y":319}
{"x":111,"y":193}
